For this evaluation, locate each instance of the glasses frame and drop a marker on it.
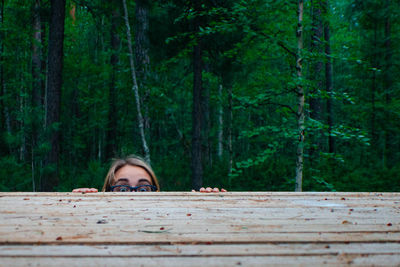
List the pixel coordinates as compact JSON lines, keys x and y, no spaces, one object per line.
{"x":134,"y":188}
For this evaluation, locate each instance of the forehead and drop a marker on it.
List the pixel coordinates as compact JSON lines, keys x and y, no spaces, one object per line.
{"x":132,"y":173}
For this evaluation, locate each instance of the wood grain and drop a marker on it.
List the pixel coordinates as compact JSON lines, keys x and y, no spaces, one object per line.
{"x":193,"y":229}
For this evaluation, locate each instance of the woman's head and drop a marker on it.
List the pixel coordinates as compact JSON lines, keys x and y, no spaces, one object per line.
{"x":132,"y":171}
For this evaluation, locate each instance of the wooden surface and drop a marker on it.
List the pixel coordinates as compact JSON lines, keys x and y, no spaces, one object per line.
{"x":197,"y":229}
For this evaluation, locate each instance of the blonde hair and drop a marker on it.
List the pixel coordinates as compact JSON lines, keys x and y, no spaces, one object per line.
{"x":129,"y":160}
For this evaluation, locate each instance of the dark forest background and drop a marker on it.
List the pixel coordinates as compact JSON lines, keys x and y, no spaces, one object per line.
{"x":257,"y":95}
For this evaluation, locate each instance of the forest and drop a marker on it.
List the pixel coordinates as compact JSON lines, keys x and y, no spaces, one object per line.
{"x":248,"y":95}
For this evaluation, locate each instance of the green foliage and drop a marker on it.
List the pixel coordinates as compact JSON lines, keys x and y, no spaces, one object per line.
{"x":248,"y":50}
{"x":14,"y":176}
{"x":91,"y":176}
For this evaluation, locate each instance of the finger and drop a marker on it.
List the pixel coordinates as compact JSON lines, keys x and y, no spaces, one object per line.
{"x":193,"y":190}
{"x":93,"y":190}
{"x":78,"y":190}
{"x":216,"y":190}
{"x":223,"y":190}
{"x":202,"y":189}
{"x":208,"y":189}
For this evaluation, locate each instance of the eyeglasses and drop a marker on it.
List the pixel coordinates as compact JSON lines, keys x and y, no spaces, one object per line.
{"x":139,"y":188}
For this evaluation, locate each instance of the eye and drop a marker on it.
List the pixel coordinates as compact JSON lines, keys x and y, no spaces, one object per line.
{"x":144,"y":188}
{"x":123,"y":189}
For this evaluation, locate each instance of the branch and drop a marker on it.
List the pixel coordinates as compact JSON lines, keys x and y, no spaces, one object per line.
{"x":282,"y":105}
{"x":279,"y":42}
{"x":267,"y":102}
{"x":282,"y":45}
{"x":135,"y":86}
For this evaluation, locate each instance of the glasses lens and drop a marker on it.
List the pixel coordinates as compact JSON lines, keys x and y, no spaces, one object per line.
{"x":122,"y":188}
{"x":144,"y":188}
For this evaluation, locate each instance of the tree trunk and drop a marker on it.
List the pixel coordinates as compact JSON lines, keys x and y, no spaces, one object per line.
{"x":5,"y":114}
{"x":230,"y":146}
{"x":53,"y":96}
{"x":22,"y":122}
{"x":300,"y":99}
{"x":197,"y":168}
{"x":220,"y":149}
{"x":388,"y":83}
{"x":135,"y":86}
{"x":142,"y":39}
{"x":37,"y":56}
{"x":206,"y":125}
{"x":316,"y":75}
{"x":111,"y":145}
{"x":142,"y":54}
{"x":2,"y":91}
{"x":329,"y":80}
{"x":317,"y":48}
{"x":37,"y":85}
{"x":374,"y":142}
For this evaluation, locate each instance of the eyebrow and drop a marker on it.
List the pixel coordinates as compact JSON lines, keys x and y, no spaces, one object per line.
{"x":144,"y":180}
{"x":122,"y":180}
{"x":141,"y":180}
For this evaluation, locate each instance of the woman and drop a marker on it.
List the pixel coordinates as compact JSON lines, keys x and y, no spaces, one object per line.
{"x":132,"y":174}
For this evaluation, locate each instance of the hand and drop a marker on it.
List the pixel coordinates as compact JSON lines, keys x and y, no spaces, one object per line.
{"x":210,"y":190}
{"x":85,"y":190}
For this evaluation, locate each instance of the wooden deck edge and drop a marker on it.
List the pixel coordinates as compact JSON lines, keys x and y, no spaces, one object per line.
{"x":177,"y":193}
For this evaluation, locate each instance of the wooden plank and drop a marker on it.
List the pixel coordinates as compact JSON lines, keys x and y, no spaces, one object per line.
{"x":239,"y":225}
{"x":19,"y":204}
{"x":53,"y":204}
{"x":246,"y":219}
{"x":152,"y":229}
{"x":368,"y":216}
{"x":278,"y":249}
{"x":197,"y":212}
{"x":318,"y":260}
{"x":183,"y":203}
{"x":174,"y":212}
{"x":265,"y":217}
{"x":229,"y":194}
{"x":79,"y":236}
{"x":207,"y":200}
{"x":189,"y":228}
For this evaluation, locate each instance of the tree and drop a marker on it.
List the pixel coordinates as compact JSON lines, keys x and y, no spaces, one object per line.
{"x":5,"y":114}
{"x":2,"y":106}
{"x":388,"y":83}
{"x":142,"y":55}
{"x":111,"y":133}
{"x":328,"y":79}
{"x":233,"y":69}
{"x":317,"y":65}
{"x":220,"y":148}
{"x":37,"y":87}
{"x":316,"y":75}
{"x":300,"y":99}
{"x":37,"y":58}
{"x":197,"y":168}
{"x":53,"y":95}
{"x":135,"y":86}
